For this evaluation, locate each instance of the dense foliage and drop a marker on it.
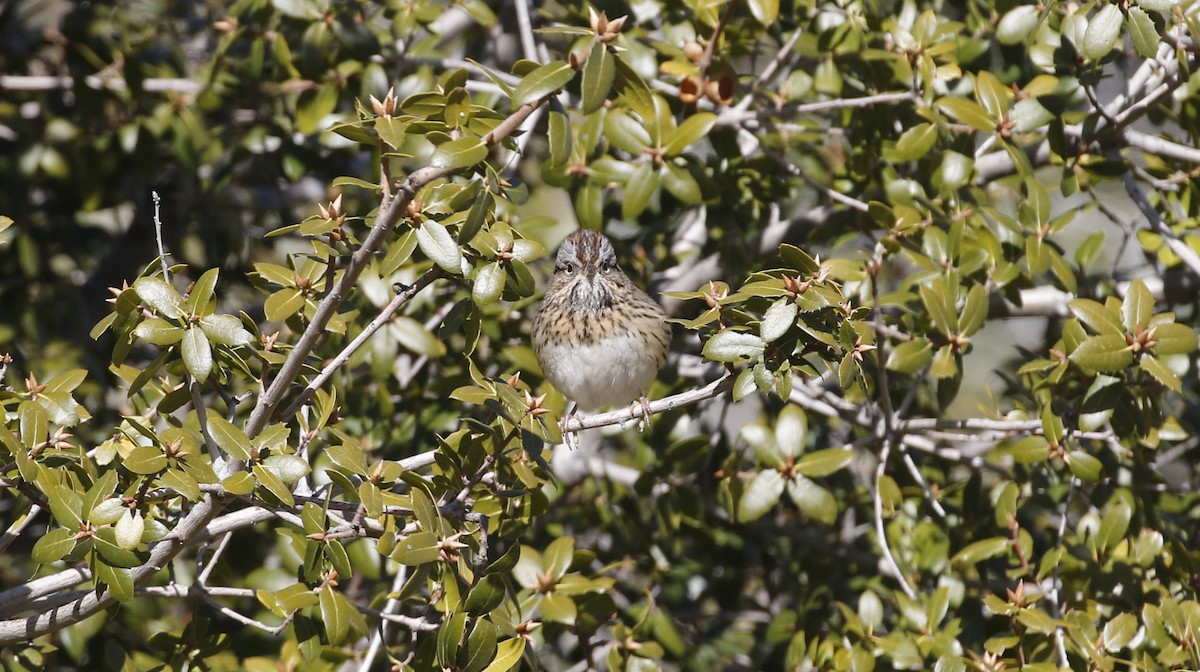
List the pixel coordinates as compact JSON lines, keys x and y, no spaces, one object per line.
{"x":267,"y":271}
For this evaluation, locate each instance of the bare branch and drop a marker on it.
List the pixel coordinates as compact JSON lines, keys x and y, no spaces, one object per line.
{"x":713,"y":389}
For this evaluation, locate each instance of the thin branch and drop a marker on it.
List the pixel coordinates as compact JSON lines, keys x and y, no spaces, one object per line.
{"x":18,"y":526}
{"x":162,"y":251}
{"x":402,"y":297}
{"x":713,"y":389}
{"x":880,"y":529}
{"x":781,"y":55}
{"x":52,"y":83}
{"x":1181,"y":249}
{"x":528,"y":46}
{"x":390,"y":607}
{"x":1159,"y":146}
{"x":1055,"y":594}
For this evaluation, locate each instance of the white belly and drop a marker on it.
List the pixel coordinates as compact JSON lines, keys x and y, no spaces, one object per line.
{"x":612,"y":372}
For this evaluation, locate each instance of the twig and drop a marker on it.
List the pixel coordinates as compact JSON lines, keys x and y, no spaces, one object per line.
{"x":162,"y":252}
{"x":388,"y":608}
{"x":51,"y":83}
{"x":880,"y":530}
{"x":402,"y":297}
{"x":222,"y":466}
{"x":14,"y":530}
{"x":889,"y":437}
{"x":1181,"y":249}
{"x":1055,"y":595}
{"x":202,"y":579}
{"x":709,"y":49}
{"x":713,"y":389}
{"x":528,"y":46}
{"x":769,"y":71}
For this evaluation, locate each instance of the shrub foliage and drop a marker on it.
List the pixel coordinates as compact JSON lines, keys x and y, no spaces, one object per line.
{"x":307,"y":430}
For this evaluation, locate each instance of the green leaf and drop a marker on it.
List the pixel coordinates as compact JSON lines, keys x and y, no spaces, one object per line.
{"x":202,"y":292}
{"x":283,"y":304}
{"x":145,"y":460}
{"x":268,"y":480}
{"x":288,"y":468}
{"x":679,"y":181}
{"x":437,"y":244}
{"x":639,"y":190}
{"x":1017,"y":24}
{"x":1114,"y":525}
{"x":486,"y":595}
{"x":761,"y":495}
{"x":939,"y":302}
{"x":729,"y":346}
{"x":128,"y":530}
{"x":230,"y":438}
{"x":1096,"y":316}
{"x":508,"y":655}
{"x":1085,"y":466}
{"x":417,"y":549}
{"x":488,"y":284}
{"x":335,"y":614}
{"x":461,"y":153}
{"x":968,"y":112}
{"x":559,"y":608}
{"x":1138,"y":306}
{"x":910,"y":356}
{"x":824,"y":462}
{"x":226,"y":330}
{"x":542,"y":82}
{"x":480,"y":647}
{"x":765,"y":11}
{"x":558,"y":132}
{"x":118,"y":579}
{"x":1142,"y":31}
{"x":1031,"y":449}
{"x":1161,"y":372}
{"x":915,"y":142}
{"x":448,"y":637}
{"x":105,"y":541}
{"x":1103,"y":31}
{"x":158,"y":331}
{"x":945,"y":364}
{"x":558,"y":556}
{"x":633,"y":90}
{"x":815,"y":501}
{"x":981,"y":550}
{"x":992,"y":94}
{"x":53,"y":545}
{"x":241,"y":483}
{"x":1107,"y":353}
{"x":1119,"y":632}
{"x":197,"y":354}
{"x":776,"y":321}
{"x":160,"y":296}
{"x":693,"y":129}
{"x":598,"y":75}
{"x":974,"y":311}
{"x":1174,"y":339}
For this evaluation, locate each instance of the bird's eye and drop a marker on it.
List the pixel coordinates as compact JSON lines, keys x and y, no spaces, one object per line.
{"x":567,"y":267}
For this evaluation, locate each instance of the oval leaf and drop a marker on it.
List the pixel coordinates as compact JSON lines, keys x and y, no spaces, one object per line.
{"x":460,"y":153}
{"x":542,"y":82}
